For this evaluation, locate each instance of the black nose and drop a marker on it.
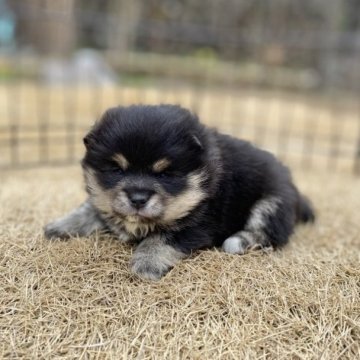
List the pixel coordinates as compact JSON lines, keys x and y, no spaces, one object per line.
{"x":139,"y":198}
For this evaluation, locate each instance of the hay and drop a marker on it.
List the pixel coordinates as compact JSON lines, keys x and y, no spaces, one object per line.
{"x":77,"y":299}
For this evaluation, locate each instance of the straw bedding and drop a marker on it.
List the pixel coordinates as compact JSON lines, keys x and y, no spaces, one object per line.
{"x":77,"y":299}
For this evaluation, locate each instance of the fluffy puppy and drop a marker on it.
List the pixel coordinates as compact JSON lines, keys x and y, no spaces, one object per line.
{"x":159,"y":178}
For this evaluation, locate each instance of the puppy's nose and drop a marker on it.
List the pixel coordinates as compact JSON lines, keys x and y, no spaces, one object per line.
{"x":139,"y":198}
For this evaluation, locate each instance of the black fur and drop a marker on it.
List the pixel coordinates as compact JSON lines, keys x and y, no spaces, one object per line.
{"x":236,"y":177}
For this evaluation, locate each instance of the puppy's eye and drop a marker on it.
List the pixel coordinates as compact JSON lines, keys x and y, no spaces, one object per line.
{"x":115,"y":170}
{"x":165,"y":174}
{"x":112,"y":169}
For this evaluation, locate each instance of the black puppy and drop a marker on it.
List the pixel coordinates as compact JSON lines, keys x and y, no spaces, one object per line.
{"x":156,"y":176}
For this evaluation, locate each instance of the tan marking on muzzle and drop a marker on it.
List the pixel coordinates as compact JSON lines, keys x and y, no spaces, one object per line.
{"x":99,"y":197}
{"x":181,"y":205}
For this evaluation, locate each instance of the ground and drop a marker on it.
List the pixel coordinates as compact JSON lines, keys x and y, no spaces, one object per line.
{"x":77,"y":299}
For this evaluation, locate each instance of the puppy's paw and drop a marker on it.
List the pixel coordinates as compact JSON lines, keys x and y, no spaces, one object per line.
{"x":82,"y":221}
{"x":241,"y":242}
{"x":124,"y":237}
{"x":153,"y":258}
{"x":55,"y":230}
{"x":149,"y":266}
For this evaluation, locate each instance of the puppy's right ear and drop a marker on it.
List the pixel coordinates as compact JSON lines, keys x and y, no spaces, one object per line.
{"x":197,"y":143}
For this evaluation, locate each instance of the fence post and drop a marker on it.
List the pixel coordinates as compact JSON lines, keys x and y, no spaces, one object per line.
{"x":357,"y":153}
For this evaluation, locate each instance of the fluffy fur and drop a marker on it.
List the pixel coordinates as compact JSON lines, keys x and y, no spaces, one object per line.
{"x":158,"y":177}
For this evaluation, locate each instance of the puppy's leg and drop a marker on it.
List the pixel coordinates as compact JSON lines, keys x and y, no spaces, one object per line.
{"x":154,"y":257}
{"x":82,"y":221}
{"x":270,"y":224}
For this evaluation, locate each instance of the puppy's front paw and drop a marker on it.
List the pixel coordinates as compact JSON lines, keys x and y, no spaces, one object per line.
{"x":55,"y":230}
{"x":82,"y":221}
{"x":148,"y":266}
{"x":153,"y":258}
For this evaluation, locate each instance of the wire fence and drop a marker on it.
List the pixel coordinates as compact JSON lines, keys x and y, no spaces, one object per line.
{"x":283,"y":74}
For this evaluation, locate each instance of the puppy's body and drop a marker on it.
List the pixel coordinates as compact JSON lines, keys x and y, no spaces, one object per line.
{"x":158,"y":177}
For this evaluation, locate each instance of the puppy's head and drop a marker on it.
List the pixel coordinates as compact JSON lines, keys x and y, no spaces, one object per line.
{"x":144,"y":164}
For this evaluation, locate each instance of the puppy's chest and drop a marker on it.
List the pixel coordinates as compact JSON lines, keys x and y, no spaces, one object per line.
{"x":131,"y":229}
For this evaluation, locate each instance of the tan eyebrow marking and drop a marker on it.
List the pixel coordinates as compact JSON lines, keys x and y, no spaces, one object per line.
{"x":121,"y":160}
{"x":160,"y":165}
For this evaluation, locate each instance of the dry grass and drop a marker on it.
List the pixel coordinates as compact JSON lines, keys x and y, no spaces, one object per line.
{"x":77,"y":299}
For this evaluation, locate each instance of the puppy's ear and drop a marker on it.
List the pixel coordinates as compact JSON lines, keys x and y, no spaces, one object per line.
{"x":89,"y":141}
{"x":197,"y":143}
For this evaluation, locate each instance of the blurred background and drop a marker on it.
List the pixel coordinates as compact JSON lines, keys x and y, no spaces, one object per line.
{"x":284,"y":74}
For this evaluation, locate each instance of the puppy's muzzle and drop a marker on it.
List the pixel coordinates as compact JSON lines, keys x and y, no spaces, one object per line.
{"x":138,"y":197}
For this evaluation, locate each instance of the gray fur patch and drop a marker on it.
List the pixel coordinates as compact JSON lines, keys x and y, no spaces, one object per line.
{"x":254,"y":236}
{"x":82,"y":221}
{"x":153,"y":258}
{"x":260,"y":212}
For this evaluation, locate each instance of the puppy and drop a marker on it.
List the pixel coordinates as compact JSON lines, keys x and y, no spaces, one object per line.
{"x":157,"y":177}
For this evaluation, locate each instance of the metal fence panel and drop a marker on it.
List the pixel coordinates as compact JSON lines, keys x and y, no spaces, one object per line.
{"x":283,"y":74}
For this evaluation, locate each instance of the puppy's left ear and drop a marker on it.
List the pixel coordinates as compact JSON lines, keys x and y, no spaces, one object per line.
{"x":89,"y":140}
{"x":196,"y":141}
